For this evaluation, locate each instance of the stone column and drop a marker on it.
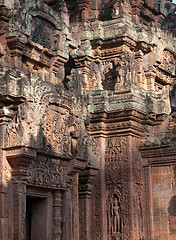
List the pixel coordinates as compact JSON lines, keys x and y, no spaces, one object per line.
{"x":19,"y":210}
{"x":102,"y":144}
{"x":75,"y":195}
{"x":70,"y":208}
{"x":2,"y":197}
{"x":5,"y":117}
{"x":86,"y":180}
{"x":67,"y":229}
{"x":57,"y":215}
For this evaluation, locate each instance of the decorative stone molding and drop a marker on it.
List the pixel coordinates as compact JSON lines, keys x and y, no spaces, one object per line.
{"x":20,"y":159}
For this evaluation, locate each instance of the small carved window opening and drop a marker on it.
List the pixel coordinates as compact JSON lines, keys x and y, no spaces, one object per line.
{"x":158,"y":86}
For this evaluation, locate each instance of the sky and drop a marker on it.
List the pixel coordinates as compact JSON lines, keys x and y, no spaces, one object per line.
{"x":174,"y":1}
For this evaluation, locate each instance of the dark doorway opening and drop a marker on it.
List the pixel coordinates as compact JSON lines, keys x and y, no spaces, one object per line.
{"x":36,"y":218}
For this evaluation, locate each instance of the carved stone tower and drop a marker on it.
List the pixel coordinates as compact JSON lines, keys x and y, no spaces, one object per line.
{"x":87,"y":120}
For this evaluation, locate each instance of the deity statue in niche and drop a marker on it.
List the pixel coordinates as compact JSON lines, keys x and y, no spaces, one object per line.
{"x":73,"y":140}
{"x":96,"y":75}
{"x":139,"y":215}
{"x":114,"y":216}
{"x":57,"y":41}
{"x":109,"y":77}
{"x":116,"y":10}
{"x":119,"y":74}
{"x":168,"y":62}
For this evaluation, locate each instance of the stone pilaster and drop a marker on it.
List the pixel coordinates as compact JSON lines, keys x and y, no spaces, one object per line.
{"x":19,"y":159}
{"x":57,"y":215}
{"x":5,"y":176}
{"x":19,"y":207}
{"x":86,"y":179}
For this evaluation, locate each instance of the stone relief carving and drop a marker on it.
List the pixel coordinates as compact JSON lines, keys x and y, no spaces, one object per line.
{"x":113,"y":9}
{"x":42,"y":43}
{"x":114,"y":216}
{"x":117,"y":179}
{"x":43,"y":33}
{"x":114,"y":164}
{"x":52,"y":116}
{"x":46,"y":173}
{"x":73,"y":148}
{"x":120,"y":72}
{"x":96,"y":75}
{"x":52,"y":121}
{"x":116,"y":10}
{"x":168,"y":62}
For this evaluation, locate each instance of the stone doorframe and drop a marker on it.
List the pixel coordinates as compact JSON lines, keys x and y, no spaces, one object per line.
{"x":38,"y":175}
{"x":40,"y":201}
{"x":20,"y":160}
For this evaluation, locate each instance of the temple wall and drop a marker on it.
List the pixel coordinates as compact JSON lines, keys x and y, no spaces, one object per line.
{"x":87,"y":120}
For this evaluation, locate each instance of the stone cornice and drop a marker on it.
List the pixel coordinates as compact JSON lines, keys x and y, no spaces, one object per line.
{"x":108,"y":32}
{"x":158,"y":155}
{"x":128,"y":121}
{"x":19,"y":159}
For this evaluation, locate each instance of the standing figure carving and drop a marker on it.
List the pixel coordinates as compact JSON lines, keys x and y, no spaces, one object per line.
{"x":116,"y":10}
{"x":139,"y":215}
{"x":114,"y":223}
{"x":116,"y":228}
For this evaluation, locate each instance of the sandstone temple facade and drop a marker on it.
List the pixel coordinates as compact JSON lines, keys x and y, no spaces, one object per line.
{"x":87,"y":120}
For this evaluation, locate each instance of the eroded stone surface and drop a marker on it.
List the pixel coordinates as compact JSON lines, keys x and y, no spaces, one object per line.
{"x":87,"y":119}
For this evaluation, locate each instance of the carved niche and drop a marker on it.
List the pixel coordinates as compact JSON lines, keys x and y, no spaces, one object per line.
{"x":95,"y":76}
{"x":116,"y":10}
{"x":109,"y":9}
{"x":106,"y":10}
{"x":44,"y":33}
{"x":114,"y":216}
{"x":168,"y":62}
{"x":117,"y":183}
{"x":118,"y":73}
{"x":44,"y":41}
